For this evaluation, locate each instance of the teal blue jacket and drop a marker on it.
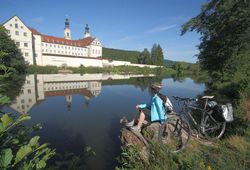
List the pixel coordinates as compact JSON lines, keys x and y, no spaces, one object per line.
{"x":156,"y":108}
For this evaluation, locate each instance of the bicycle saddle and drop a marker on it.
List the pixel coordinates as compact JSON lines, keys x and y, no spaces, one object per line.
{"x":208,"y":97}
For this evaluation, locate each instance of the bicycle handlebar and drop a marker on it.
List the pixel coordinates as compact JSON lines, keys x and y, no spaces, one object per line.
{"x":184,"y":98}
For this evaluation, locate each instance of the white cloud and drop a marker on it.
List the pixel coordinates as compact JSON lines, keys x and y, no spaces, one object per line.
{"x":38,"y":20}
{"x":160,"y":29}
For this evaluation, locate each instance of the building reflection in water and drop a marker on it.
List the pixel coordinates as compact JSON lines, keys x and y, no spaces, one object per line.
{"x":38,"y":87}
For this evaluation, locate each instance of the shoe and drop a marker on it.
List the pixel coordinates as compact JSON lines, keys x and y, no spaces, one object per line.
{"x":135,"y":129}
{"x":130,"y":124}
{"x":145,"y":122}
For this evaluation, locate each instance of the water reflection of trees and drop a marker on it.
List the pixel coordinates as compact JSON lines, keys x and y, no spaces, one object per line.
{"x":139,"y":82}
{"x":144,"y":82}
{"x":179,"y":76}
{"x":77,"y":159}
{"x":12,"y":86}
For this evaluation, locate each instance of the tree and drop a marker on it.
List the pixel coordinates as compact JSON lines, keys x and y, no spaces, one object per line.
{"x":225,"y":40}
{"x":180,"y":67}
{"x":160,"y":57}
{"x":144,"y":57}
{"x":157,"y":55}
{"x":12,"y":56}
{"x":154,"y":54}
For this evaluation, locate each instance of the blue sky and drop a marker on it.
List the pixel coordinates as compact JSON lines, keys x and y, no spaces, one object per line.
{"x":122,"y":24}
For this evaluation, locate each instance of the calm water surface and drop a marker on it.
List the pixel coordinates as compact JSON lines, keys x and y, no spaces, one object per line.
{"x":84,"y":110}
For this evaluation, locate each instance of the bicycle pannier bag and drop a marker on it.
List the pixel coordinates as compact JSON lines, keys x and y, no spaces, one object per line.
{"x":227,"y":112}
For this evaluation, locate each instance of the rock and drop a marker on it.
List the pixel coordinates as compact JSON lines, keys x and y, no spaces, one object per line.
{"x":129,"y":138}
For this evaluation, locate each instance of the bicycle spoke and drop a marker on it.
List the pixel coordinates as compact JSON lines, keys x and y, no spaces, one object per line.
{"x":175,"y":134}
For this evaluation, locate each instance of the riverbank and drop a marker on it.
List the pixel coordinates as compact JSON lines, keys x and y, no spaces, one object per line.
{"x":117,"y":70}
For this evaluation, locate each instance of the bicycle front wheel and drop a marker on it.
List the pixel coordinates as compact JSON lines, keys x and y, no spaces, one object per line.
{"x":212,"y":128}
{"x":174,"y":134}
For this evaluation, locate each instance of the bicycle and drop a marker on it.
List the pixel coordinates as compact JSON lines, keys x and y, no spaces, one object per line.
{"x":210,"y":127}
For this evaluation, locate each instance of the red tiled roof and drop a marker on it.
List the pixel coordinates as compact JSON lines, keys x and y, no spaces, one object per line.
{"x":84,"y":92}
{"x":63,"y":41}
{"x":57,"y":40}
{"x":34,"y":31}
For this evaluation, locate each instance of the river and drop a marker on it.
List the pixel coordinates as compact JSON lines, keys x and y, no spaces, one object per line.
{"x":79,"y":111}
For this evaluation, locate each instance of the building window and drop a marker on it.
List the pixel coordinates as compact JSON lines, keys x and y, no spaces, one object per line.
{"x":50,"y":45}
{"x":21,"y":27}
{"x":16,"y":25}
{"x":15,"y":19}
{"x":28,"y":81}
{"x":25,"y":34}
{"x":29,"y":91}
{"x":8,"y":31}
{"x":10,"y":25}
{"x":17,"y":33}
{"x":46,"y":45}
{"x":18,"y":44}
{"x":26,"y":54}
{"x":25,"y":44}
{"x":22,"y":101}
{"x":30,"y":100}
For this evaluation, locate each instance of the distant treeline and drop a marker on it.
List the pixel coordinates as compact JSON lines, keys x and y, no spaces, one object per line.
{"x":132,"y":56}
{"x":123,"y":55}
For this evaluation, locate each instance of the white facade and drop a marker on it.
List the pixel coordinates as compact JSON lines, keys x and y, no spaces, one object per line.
{"x":40,"y":49}
{"x":22,"y":36}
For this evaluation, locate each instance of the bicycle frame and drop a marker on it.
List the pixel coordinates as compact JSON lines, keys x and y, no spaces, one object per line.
{"x":186,"y":110}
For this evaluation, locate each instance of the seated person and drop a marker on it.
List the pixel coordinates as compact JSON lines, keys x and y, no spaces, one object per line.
{"x":155,"y":107}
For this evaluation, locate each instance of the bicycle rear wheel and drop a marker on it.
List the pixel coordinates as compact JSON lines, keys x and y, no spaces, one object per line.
{"x":212,"y":128}
{"x":174,"y":134}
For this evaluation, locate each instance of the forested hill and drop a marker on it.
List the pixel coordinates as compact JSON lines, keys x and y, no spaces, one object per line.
{"x":132,"y":56}
{"x":117,"y":54}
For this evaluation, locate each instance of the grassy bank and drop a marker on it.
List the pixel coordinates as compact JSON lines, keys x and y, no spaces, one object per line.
{"x":117,"y":70}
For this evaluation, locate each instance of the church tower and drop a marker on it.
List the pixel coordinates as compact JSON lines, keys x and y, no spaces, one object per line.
{"x":86,"y":33}
{"x":67,"y":34}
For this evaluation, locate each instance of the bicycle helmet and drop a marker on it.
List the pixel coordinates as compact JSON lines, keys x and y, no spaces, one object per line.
{"x":156,"y":86}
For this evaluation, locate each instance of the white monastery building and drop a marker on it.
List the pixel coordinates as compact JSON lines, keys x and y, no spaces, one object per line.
{"x":41,"y":49}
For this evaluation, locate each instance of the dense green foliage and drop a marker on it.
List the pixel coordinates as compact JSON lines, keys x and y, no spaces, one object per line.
{"x":117,"y":70}
{"x":10,"y":55}
{"x":123,"y":55}
{"x":17,"y":150}
{"x":145,"y":57}
{"x":42,"y":69}
{"x":225,"y":42}
{"x":157,"y":57}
